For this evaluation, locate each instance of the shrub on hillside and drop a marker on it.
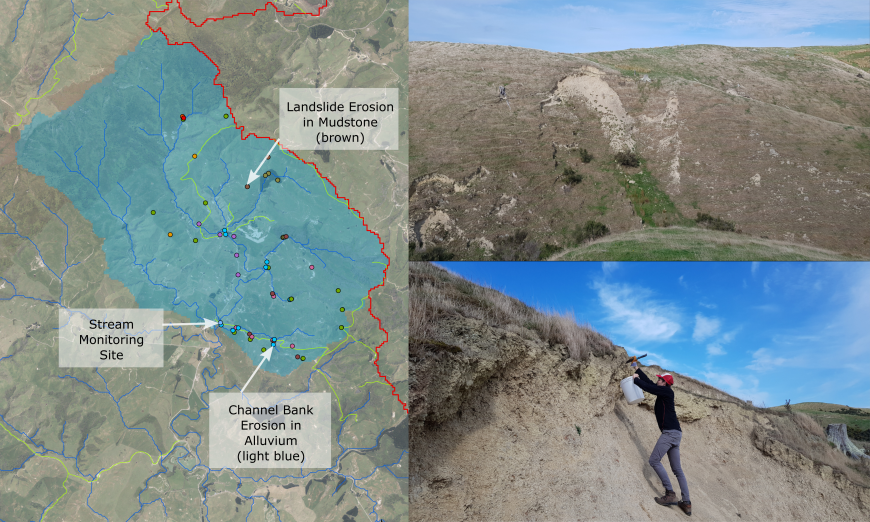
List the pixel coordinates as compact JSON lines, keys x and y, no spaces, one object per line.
{"x":433,"y":253}
{"x":591,"y":230}
{"x":627,"y":159}
{"x":514,"y":247}
{"x":571,"y":176}
{"x":852,"y":411}
{"x":585,"y":156}
{"x":857,"y":434}
{"x":714,"y":223}
{"x":549,"y":251}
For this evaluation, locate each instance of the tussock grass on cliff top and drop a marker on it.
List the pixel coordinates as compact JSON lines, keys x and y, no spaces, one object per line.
{"x":436,"y":294}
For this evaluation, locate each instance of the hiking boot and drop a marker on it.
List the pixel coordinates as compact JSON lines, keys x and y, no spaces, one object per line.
{"x":669,"y":499}
{"x":686,"y":507}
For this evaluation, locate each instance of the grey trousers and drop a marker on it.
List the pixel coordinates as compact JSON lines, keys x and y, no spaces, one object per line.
{"x":669,"y":442}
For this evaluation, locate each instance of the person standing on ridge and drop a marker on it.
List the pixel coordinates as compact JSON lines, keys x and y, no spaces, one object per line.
{"x":669,"y":441}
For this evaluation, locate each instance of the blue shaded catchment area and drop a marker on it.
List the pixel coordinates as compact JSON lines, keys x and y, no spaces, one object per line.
{"x":124,"y":151}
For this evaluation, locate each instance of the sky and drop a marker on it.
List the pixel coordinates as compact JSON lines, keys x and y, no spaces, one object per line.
{"x":571,"y":26}
{"x":764,"y":332}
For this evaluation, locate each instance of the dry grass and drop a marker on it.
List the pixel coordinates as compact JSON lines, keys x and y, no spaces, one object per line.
{"x":808,"y":424}
{"x":436,"y":294}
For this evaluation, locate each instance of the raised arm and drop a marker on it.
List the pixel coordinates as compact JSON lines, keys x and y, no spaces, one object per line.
{"x":642,"y":376}
{"x":644,"y":383}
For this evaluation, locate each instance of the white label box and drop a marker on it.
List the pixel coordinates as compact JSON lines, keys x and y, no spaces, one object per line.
{"x":339,"y":119}
{"x":269,"y":430}
{"x":114,"y":337}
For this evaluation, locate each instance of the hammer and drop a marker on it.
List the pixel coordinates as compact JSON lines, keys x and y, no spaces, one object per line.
{"x":634,"y":359}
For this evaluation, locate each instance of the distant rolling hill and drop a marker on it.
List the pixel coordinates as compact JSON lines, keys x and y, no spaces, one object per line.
{"x":857,"y":419}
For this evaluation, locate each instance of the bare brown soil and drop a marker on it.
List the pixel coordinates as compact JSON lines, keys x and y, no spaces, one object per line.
{"x":773,"y":140}
{"x":64,"y":99}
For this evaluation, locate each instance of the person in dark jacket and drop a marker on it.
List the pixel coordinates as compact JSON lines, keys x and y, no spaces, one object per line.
{"x":669,"y":441}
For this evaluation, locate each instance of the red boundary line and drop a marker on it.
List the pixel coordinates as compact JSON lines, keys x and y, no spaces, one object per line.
{"x":244,"y":137}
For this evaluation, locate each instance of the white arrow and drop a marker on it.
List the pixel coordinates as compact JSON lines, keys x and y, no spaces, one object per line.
{"x":208,"y":324}
{"x":267,"y":355}
{"x":252,"y":175}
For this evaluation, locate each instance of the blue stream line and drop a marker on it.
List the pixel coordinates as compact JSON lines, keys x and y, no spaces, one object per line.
{"x":94,"y":476}
{"x":333,"y":355}
{"x":218,"y":205}
{"x":63,"y":442}
{"x":62,"y":49}
{"x":294,"y":181}
{"x":88,"y":503}
{"x":41,"y":447}
{"x":221,"y":188}
{"x":19,"y":19}
{"x":191,"y":100}
{"x":22,"y":464}
{"x":16,"y":233}
{"x":89,"y":19}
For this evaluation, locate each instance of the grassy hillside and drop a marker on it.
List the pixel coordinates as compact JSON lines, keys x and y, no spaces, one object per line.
{"x":693,"y":244}
{"x":856,"y":419}
{"x":774,"y":141}
{"x":855,"y":55}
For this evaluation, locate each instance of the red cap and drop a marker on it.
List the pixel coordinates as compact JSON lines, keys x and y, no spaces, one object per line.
{"x":667,"y":378}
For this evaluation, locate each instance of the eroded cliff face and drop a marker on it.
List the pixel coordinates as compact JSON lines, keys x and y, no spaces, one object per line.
{"x":494,"y":436}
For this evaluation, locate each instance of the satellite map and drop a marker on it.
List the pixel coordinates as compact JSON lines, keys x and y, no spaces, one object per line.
{"x":197,"y":322}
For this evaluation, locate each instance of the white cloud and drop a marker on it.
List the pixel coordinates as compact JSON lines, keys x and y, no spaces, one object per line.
{"x":764,"y":360}
{"x":754,"y":268}
{"x":784,"y":15}
{"x":636,"y":313}
{"x":652,"y":359}
{"x":583,"y":8}
{"x":705,"y":327}
{"x":745,"y":388}
{"x":707,"y":305}
{"x":682,"y":282}
{"x":728,"y":336}
{"x":715,"y":349}
{"x":609,"y":267}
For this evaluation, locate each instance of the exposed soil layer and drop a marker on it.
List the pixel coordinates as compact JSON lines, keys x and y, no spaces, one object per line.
{"x":494,"y":434}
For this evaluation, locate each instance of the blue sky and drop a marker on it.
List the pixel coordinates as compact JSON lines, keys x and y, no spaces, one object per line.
{"x":571,"y":26}
{"x":766,"y":332}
